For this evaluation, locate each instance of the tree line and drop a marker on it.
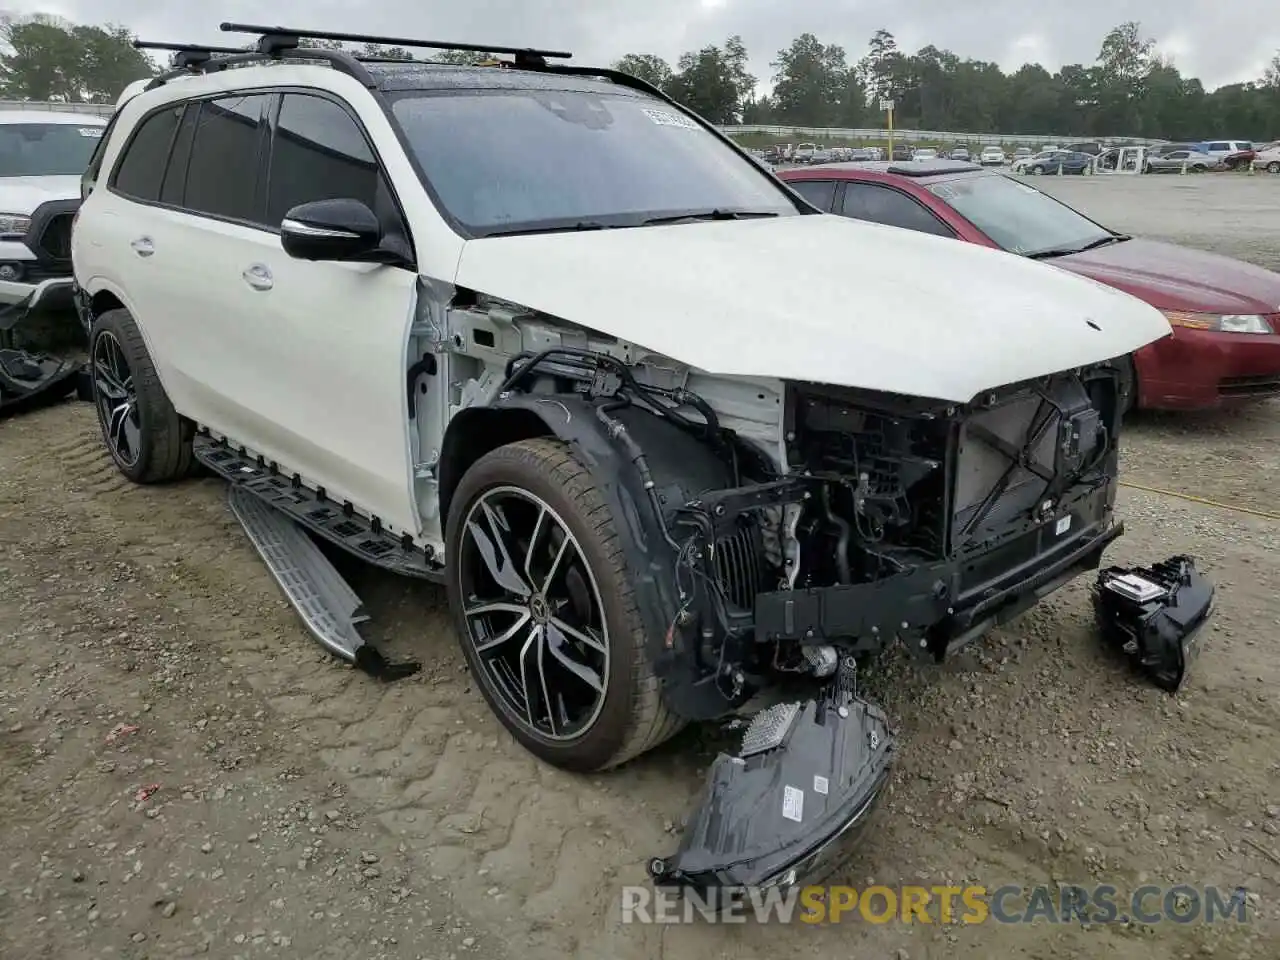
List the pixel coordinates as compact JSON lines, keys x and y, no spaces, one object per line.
{"x":1131,"y":90}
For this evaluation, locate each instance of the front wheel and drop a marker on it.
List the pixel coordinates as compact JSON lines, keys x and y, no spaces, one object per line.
{"x":1037,"y":171}
{"x":1273,"y":166}
{"x":545,"y":610}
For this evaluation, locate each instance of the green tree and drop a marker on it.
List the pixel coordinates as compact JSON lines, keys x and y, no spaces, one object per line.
{"x":648,"y":67}
{"x":714,"y":81}
{"x":810,"y":83}
{"x":53,"y":59}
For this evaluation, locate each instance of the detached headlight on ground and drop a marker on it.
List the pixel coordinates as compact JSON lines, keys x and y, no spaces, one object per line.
{"x":14,"y":223}
{"x":1224,"y":323}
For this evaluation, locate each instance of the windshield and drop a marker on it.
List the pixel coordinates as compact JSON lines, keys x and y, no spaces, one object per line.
{"x":524,"y":160}
{"x":1019,"y":218}
{"x":46,"y":149}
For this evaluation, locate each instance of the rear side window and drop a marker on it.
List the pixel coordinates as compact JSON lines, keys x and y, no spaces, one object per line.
{"x":90,"y":176}
{"x":865,"y":201}
{"x":821,"y":193}
{"x":319,"y":153}
{"x":222,"y":175}
{"x":1219,"y":145}
{"x":140,"y":170}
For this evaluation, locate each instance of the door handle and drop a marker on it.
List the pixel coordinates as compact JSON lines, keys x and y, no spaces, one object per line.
{"x":143,"y":247}
{"x":258,"y":277}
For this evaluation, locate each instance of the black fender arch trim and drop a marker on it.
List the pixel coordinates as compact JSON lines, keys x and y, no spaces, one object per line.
{"x":681,"y":466}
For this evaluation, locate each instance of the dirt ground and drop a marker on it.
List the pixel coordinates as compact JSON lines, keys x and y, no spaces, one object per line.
{"x":183,"y":771}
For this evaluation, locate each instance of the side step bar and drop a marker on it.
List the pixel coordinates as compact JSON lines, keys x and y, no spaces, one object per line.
{"x":336,"y":522}
{"x":328,"y":606}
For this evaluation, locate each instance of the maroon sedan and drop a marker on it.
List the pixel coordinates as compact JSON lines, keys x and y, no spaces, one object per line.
{"x":1225,"y":313}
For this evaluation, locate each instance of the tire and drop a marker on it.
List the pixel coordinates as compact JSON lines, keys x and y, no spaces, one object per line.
{"x":517,"y":482}
{"x":1273,"y":166}
{"x":147,"y":439}
{"x":1037,"y":171}
{"x":1201,"y":168}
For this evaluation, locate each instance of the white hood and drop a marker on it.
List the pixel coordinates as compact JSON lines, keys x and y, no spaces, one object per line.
{"x":819,"y":298}
{"x":22,"y":195}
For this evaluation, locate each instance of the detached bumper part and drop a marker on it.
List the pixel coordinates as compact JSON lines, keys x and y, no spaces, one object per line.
{"x":1154,"y":615}
{"x":31,"y":380}
{"x":788,"y":808}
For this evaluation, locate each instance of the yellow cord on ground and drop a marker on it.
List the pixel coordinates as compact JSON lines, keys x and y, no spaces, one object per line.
{"x":1209,"y":503}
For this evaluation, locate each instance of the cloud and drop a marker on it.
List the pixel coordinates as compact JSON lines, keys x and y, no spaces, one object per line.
{"x":1218,"y":42}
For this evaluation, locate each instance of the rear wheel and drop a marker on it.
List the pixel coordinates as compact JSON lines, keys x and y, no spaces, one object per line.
{"x":147,"y":439}
{"x":1037,"y":170}
{"x":1273,"y":166}
{"x":545,"y":610}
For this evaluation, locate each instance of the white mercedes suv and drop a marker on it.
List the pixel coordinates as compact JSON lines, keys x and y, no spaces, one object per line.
{"x":538,"y":333}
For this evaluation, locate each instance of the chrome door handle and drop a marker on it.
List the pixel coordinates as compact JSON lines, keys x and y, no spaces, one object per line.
{"x":143,"y":247}
{"x":258,"y":277}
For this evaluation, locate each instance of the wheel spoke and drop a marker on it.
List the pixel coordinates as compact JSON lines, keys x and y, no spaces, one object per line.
{"x":108,"y":385}
{"x":558,"y":645}
{"x":497,"y":559}
{"x":115,"y":427}
{"x":533,"y":543}
{"x":531,"y":644}
{"x":499,"y":606}
{"x":555,"y":564}
{"x":580,"y":635}
{"x":132,"y":433}
{"x":542,"y":679}
{"x":484,"y":647}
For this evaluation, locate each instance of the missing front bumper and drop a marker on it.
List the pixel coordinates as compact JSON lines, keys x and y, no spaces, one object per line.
{"x":789,"y":808}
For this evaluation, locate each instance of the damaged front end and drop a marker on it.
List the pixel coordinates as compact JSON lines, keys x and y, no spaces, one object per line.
{"x":874,"y":519}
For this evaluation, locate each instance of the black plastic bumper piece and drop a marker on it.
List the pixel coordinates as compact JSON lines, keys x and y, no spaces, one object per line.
{"x":31,"y":380}
{"x":789,"y":808}
{"x":1155,"y":615}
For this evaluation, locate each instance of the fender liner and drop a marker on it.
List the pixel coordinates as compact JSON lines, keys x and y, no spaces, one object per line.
{"x":682,"y":467}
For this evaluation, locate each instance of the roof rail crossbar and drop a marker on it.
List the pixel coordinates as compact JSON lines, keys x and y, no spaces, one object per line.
{"x":187,"y":56}
{"x":291,"y":36}
{"x":270,"y":52}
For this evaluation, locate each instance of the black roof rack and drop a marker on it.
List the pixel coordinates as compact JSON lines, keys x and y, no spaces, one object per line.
{"x":275,"y":39}
{"x":187,"y":56}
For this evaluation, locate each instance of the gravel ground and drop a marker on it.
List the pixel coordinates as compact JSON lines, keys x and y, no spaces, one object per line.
{"x":185,"y":772}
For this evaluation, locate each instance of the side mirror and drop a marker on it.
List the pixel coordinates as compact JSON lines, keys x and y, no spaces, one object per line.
{"x":341,"y":229}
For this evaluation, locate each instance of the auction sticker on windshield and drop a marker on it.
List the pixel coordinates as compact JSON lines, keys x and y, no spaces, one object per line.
{"x":664,"y":119}
{"x":93,"y":132}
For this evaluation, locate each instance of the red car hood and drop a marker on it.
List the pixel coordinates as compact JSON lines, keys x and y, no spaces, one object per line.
{"x":1170,"y":277}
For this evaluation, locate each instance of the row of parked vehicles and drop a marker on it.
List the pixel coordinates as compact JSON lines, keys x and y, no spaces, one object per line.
{"x":584,"y":386}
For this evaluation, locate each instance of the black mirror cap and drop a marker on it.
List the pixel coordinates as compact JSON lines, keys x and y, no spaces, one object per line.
{"x":339,"y":229}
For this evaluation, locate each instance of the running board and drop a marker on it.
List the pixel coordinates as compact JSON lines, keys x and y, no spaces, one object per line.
{"x":327,"y":604}
{"x":335,"y":522}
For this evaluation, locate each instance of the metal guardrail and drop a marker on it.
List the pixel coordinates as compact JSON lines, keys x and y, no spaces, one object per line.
{"x":828,"y":134}
{"x":57,"y":106}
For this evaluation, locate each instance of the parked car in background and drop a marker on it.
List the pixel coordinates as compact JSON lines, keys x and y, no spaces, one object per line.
{"x":1054,"y":161}
{"x":804,"y":153}
{"x":960,"y":153}
{"x":42,"y":157}
{"x":1193,"y":161}
{"x":901,"y":151}
{"x":1268,"y":158}
{"x":1021,"y":153}
{"x":1225,"y":313}
{"x":1161,"y":149}
{"x":991,"y":157}
{"x":924,"y":153}
{"x":1091,"y":147}
{"x":1230,"y":153}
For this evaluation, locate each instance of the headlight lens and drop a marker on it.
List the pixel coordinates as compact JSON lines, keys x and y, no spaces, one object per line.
{"x":1223,"y":323}
{"x":14,"y":223}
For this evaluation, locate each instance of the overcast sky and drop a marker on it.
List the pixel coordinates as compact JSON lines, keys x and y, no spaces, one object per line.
{"x":1219,"y":41}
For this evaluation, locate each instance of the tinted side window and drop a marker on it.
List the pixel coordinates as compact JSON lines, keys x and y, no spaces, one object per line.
{"x":865,"y":201}
{"x":141,"y":169}
{"x":319,"y":153}
{"x":821,"y":193}
{"x":175,"y":177}
{"x":90,"y":176}
{"x":222,"y":176}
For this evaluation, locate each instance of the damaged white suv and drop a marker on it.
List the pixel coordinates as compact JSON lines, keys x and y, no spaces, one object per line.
{"x":538,"y":333}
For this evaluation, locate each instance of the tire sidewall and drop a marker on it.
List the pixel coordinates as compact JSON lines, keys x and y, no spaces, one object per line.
{"x":120,"y":326}
{"x":595,"y":748}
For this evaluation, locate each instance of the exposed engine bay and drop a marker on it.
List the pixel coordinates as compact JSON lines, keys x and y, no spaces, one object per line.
{"x":892,"y":517}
